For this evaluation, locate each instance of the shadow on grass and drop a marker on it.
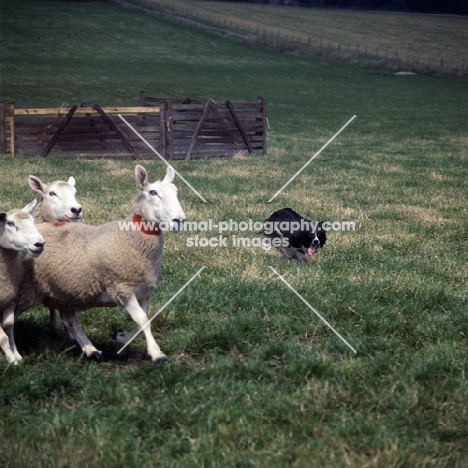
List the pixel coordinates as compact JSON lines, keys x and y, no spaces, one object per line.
{"x":33,"y":340}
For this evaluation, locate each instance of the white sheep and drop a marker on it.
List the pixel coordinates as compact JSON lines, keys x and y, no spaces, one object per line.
{"x":17,"y":235}
{"x":57,"y":202}
{"x":117,"y":263}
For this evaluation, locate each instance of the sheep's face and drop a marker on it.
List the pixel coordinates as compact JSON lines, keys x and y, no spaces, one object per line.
{"x":158,"y":202}
{"x":18,"y":232}
{"x":59,"y":197}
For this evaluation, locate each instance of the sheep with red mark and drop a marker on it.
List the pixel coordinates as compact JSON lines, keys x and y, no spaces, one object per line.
{"x":57,"y":202}
{"x":113,"y":264}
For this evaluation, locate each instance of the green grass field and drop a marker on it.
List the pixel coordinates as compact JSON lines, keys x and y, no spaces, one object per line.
{"x":254,"y":377}
{"x":398,"y":40}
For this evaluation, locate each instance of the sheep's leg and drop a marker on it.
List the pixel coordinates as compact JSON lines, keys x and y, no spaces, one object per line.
{"x":122,"y":336}
{"x":141,"y":319}
{"x":9,"y":326}
{"x":52,"y":326}
{"x":7,"y":338}
{"x":74,"y":330}
{"x":68,"y":330}
{"x":5,"y":345}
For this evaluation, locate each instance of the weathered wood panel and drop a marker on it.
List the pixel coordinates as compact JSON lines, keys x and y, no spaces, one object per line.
{"x":229,"y":126}
{"x":176,"y":128}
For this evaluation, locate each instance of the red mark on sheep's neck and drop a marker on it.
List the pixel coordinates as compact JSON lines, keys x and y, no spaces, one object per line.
{"x":145,"y":227}
{"x":59,"y":223}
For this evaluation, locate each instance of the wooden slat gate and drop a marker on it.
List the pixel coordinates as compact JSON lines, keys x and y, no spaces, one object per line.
{"x":208,"y":128}
{"x":177,"y":129}
{"x":78,"y":130}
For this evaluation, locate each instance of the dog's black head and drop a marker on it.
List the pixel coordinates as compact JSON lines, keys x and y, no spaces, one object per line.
{"x":318,"y":238}
{"x":300,"y":237}
{"x":312,"y":239}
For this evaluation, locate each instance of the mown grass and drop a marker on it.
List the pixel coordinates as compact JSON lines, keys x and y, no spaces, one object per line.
{"x":254,"y":377}
{"x":384,"y":34}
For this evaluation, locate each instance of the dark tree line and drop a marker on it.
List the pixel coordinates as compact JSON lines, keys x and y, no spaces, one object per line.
{"x":457,"y":7}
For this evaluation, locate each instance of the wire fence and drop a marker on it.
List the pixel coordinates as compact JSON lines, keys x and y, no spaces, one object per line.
{"x":300,"y":44}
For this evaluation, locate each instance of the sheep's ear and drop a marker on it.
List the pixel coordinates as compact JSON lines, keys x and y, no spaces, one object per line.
{"x":71,"y":181}
{"x":29,"y":207}
{"x":141,"y":177}
{"x":170,"y":174}
{"x":36,"y":184}
{"x":3,"y":216}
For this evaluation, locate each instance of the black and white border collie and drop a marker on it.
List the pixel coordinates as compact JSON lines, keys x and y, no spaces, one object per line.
{"x":293,"y":235}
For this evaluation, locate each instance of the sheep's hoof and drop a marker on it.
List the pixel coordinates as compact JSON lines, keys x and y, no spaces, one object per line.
{"x":18,"y":358}
{"x":162,"y":358}
{"x":97,"y":356}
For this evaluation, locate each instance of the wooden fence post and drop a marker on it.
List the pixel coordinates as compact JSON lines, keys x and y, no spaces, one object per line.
{"x":163,"y":129}
{"x":3,"y":139}
{"x":170,"y":131}
{"x":12,"y":129}
{"x":262,"y":107}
